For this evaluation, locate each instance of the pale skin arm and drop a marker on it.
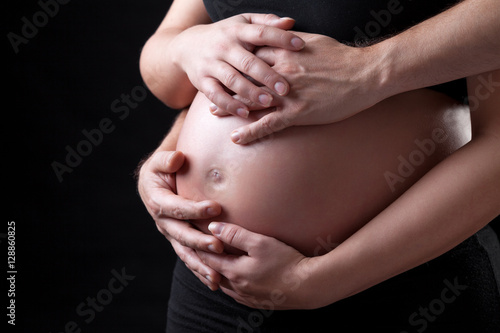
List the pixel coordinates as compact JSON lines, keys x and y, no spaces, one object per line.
{"x":454,"y":200}
{"x":461,"y":41}
{"x":189,"y":53}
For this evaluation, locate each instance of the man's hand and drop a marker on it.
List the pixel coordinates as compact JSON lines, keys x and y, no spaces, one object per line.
{"x":328,"y":84}
{"x":157,"y":189}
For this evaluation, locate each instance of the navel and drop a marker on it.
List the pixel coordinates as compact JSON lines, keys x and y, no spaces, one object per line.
{"x":215,"y":183}
{"x":215,"y":175}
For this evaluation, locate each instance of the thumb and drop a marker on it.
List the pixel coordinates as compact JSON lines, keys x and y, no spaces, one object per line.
{"x":166,"y":161}
{"x":265,"y":126}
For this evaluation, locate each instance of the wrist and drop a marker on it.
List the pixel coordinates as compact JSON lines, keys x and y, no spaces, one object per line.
{"x":319,"y":287}
{"x":384,"y":75}
{"x":331,"y":278}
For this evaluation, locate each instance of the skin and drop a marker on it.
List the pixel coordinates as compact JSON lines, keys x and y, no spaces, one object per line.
{"x":445,"y":207}
{"x":477,"y":47}
{"x":467,"y":34}
{"x":335,"y":186}
{"x":213,"y":62}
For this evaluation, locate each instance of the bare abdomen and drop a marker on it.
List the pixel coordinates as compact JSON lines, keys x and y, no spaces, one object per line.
{"x":313,"y":186}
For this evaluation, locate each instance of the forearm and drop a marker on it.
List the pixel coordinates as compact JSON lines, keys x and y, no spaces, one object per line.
{"x":164,"y":78}
{"x":460,"y":42}
{"x":452,"y":202}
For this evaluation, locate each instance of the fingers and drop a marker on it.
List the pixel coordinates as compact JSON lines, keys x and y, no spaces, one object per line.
{"x":285,"y":23}
{"x":222,"y":102}
{"x":205,"y":274}
{"x":263,"y":30}
{"x":252,"y":107}
{"x":267,"y":54}
{"x":236,"y":236}
{"x":249,"y":77}
{"x":186,"y":235}
{"x":158,"y":196}
{"x":170,"y":205}
{"x":270,"y":30}
{"x":271,"y":123}
{"x":255,"y":68}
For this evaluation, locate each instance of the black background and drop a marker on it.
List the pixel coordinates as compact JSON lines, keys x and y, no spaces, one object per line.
{"x":71,"y":234}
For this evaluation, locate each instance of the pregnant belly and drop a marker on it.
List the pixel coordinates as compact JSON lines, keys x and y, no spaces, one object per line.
{"x":313,"y":186}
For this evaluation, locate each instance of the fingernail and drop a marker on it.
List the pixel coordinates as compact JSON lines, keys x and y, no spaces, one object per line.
{"x":211,"y":211}
{"x":298,"y":43}
{"x":280,"y":88}
{"x":242,"y":112}
{"x":212,"y":248}
{"x":213,"y":108}
{"x":265,"y":99}
{"x":171,"y":157}
{"x":235,"y":137}
{"x":215,"y":228}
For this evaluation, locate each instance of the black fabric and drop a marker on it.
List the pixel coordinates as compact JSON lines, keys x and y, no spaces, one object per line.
{"x":353,"y":22}
{"x":457,"y":292}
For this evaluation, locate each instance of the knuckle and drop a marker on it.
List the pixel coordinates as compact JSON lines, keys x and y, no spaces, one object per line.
{"x":179,"y":236}
{"x":153,"y":207}
{"x":260,"y":31}
{"x":265,"y":128}
{"x":269,"y":78}
{"x":231,"y":234}
{"x":247,"y":63}
{"x":233,"y":277}
{"x":258,"y":243}
{"x":211,"y":94}
{"x":246,"y":287}
{"x":270,"y":18}
{"x":288,"y":68}
{"x":229,"y":79}
{"x":189,"y":259}
{"x":177,"y":213}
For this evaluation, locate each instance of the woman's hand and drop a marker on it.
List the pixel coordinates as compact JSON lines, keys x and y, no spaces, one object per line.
{"x":271,"y":275}
{"x":329,"y":82}
{"x":156,"y":186}
{"x":218,"y":58}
